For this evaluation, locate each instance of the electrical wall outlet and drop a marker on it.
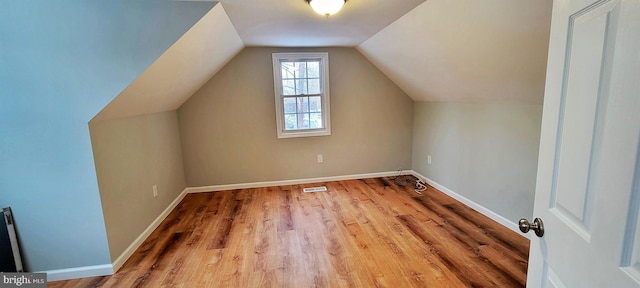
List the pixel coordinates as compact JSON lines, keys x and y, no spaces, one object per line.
{"x":155,"y":191}
{"x":429,"y":159}
{"x":320,"y":159}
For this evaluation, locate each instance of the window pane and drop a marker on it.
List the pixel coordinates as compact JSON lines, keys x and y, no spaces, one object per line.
{"x":301,"y":87}
{"x":288,"y":87}
{"x":301,"y":69}
{"x":315,"y":104}
{"x":288,"y":69}
{"x":315,"y":120}
{"x":303,"y":104}
{"x":313,"y":69}
{"x":303,"y":121}
{"x":290,"y":122}
{"x":290,"y":105}
{"x":314,"y":86}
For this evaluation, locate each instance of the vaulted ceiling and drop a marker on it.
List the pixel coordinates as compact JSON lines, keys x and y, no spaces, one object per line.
{"x":467,"y":51}
{"x":438,"y":50}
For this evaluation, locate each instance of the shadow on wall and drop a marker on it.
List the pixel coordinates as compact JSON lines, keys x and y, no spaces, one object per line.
{"x":486,"y":152}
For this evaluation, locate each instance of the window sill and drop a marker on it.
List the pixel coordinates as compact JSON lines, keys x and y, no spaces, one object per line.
{"x":298,"y":134}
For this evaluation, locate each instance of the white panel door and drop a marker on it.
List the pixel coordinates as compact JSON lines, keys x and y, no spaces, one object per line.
{"x":588,"y":185}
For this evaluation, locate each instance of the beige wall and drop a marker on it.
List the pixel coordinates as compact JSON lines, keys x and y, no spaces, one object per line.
{"x":131,"y":155}
{"x":228,"y":127}
{"x":486,"y":152}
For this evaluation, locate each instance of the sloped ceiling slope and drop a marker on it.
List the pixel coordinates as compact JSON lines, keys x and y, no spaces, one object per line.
{"x":468,"y":51}
{"x":181,"y":70}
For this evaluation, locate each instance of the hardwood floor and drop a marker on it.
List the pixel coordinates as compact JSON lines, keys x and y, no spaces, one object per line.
{"x":360,"y":233}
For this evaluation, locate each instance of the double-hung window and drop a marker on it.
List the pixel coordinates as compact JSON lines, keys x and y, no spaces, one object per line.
{"x":302,"y":94}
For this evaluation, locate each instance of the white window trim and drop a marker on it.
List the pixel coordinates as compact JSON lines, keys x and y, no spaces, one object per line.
{"x":277,"y":79}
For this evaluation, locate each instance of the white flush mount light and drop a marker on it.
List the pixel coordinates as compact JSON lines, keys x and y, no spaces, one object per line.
{"x":326,"y":7}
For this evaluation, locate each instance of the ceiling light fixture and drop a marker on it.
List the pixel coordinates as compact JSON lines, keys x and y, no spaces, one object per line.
{"x":326,"y":7}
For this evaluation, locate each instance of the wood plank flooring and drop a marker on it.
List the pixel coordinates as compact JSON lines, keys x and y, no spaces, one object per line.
{"x":360,"y":233}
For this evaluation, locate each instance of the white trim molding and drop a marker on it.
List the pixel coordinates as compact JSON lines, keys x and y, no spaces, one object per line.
{"x":79,"y":272}
{"x":288,"y":182}
{"x":136,"y":243}
{"x":473,"y":205}
{"x":145,"y":234}
{"x":109,"y":269}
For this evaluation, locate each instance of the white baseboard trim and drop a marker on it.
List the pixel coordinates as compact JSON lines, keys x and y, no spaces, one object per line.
{"x":109,"y":269}
{"x":80,"y":272}
{"x":136,"y":243}
{"x":473,"y":205}
{"x":288,"y":182}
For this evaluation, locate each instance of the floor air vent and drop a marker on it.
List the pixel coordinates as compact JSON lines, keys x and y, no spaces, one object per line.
{"x":315,"y":189}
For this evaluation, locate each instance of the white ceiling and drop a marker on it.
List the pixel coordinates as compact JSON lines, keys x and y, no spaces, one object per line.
{"x":292,"y":23}
{"x":439,"y":50}
{"x":467,"y":51}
